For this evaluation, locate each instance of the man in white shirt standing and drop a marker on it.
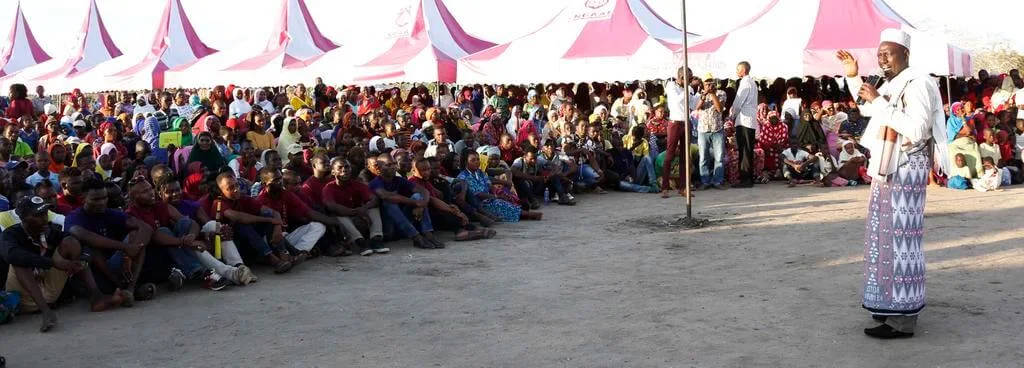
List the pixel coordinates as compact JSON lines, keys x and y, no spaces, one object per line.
{"x":907,"y":124}
{"x":675,"y":91}
{"x":744,"y":113}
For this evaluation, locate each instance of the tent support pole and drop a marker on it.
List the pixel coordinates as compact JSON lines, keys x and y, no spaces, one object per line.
{"x":686,"y":122}
{"x":949,"y":92}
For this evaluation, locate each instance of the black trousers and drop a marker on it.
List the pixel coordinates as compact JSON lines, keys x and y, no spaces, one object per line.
{"x":745,"y":140}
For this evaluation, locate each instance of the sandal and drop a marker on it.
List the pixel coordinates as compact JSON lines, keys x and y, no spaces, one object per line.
{"x":145,"y":291}
{"x":282,"y":267}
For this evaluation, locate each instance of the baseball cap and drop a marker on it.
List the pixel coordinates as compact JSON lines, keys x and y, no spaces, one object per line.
{"x":79,"y":123}
{"x":11,"y":165}
{"x":31,"y":206}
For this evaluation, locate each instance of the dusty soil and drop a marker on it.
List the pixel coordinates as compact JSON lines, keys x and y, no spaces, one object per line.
{"x":772,"y":280}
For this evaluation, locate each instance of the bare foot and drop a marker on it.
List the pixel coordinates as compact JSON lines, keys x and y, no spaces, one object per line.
{"x":49,"y":321}
{"x":665,"y":194}
{"x":108,"y":302}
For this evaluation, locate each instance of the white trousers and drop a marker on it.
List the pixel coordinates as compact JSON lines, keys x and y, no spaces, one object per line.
{"x":376,"y":227}
{"x":305,"y":237}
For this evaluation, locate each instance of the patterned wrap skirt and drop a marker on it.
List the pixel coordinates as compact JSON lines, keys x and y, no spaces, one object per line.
{"x":894,"y":267}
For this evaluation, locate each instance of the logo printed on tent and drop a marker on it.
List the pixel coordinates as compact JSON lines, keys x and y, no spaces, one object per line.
{"x":593,"y":9}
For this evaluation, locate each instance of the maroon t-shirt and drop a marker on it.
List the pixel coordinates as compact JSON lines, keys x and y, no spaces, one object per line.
{"x":352,"y":194}
{"x":313,"y":188}
{"x":156,"y":216}
{"x":243,"y":204}
{"x":288,"y":205}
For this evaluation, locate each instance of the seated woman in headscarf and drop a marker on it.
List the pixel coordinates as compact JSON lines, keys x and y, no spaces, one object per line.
{"x":852,"y":163}
{"x":206,"y":153}
{"x":960,"y":138}
{"x":239,"y":105}
{"x":809,"y":130}
{"x":479,"y":186}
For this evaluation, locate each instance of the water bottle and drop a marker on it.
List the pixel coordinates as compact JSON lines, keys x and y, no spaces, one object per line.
{"x":547,"y":196}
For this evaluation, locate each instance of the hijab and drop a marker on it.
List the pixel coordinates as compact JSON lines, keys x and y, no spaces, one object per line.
{"x":210,"y":158}
{"x":151,"y":132}
{"x":56,"y":167}
{"x":195,"y":101}
{"x":954,"y":123}
{"x":186,"y":135}
{"x":287,"y":138}
{"x":78,"y":151}
{"x":192,"y":181}
{"x":238,"y":105}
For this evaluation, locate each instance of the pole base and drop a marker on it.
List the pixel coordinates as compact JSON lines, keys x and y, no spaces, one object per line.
{"x":689,"y":222}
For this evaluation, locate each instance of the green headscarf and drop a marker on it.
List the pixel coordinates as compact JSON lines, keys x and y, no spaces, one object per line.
{"x":186,"y":135}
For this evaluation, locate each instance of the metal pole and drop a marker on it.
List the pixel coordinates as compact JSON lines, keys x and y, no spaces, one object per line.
{"x":949,"y":93}
{"x":686,"y":121}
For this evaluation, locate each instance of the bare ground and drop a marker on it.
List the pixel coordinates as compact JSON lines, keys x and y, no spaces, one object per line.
{"x":773,"y":280}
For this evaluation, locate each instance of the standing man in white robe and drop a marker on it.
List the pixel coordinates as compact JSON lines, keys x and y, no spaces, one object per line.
{"x":906,"y":130}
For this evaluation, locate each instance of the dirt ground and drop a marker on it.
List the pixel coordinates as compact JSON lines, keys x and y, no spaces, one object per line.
{"x":774,"y":280}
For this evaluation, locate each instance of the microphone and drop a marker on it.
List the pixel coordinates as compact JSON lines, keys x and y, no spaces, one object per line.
{"x":873,"y":80}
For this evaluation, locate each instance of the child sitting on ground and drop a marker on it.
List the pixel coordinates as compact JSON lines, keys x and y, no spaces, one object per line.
{"x":990,"y":179}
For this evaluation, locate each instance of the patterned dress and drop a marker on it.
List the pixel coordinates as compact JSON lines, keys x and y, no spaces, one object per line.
{"x":773,"y":139}
{"x":480,"y":183}
{"x":894,"y":267}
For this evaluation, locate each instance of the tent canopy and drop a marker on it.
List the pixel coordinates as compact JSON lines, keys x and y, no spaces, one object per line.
{"x":175,"y":46}
{"x":800,"y":37}
{"x":21,"y":50}
{"x":426,"y":41}
{"x":574,"y":46}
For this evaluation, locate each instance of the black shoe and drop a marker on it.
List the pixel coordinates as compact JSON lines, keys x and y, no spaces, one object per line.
{"x":422,"y":243}
{"x":886,"y":332}
{"x":436,"y":242}
{"x":879,"y":318}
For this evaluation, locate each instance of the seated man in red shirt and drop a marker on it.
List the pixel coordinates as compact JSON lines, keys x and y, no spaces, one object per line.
{"x":178,"y":236}
{"x":351,"y":200}
{"x":445,"y":215}
{"x":314,"y":186}
{"x":249,"y":221}
{"x":304,"y":226}
{"x":232,"y":266}
{"x":70,"y":196}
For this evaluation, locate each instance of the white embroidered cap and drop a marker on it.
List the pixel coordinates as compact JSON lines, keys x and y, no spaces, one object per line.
{"x":896,"y":36}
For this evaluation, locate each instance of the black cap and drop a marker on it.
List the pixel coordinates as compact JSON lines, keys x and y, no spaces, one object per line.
{"x":31,"y":206}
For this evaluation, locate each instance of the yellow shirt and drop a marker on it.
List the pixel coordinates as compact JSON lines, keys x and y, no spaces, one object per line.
{"x":641,"y":150}
{"x":260,"y":142}
{"x":9,"y":218}
{"x":298,"y":103}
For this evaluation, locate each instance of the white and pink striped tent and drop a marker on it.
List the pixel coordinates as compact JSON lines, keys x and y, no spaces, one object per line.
{"x":295,"y":42}
{"x":422,"y":46}
{"x":800,"y":37}
{"x":175,"y":46}
{"x":93,"y":47}
{"x":20,"y":50}
{"x":589,"y":40}
{"x":296,"y":37}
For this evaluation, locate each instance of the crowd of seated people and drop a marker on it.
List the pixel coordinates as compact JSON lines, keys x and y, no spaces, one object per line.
{"x":107,"y":196}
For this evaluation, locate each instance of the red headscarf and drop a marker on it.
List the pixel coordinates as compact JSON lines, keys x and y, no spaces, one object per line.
{"x":192,"y":181}
{"x":55,"y":166}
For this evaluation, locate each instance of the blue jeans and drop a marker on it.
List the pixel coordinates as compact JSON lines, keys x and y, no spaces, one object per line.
{"x":712,"y":154}
{"x":399,"y":217}
{"x":635,"y":188}
{"x":184,"y":258}
{"x":587,"y":176}
{"x":254,"y":236}
{"x":645,"y":170}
